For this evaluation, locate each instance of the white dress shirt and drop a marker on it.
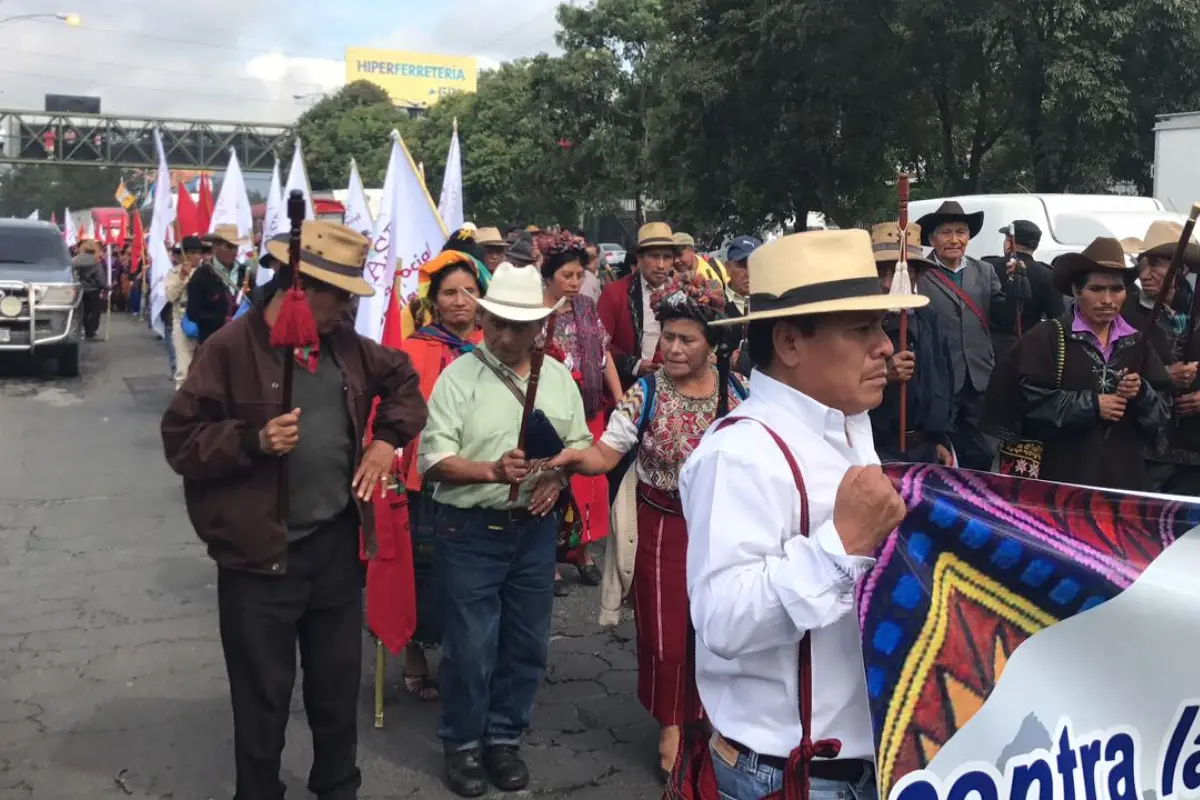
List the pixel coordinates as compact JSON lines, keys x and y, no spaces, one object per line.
{"x":651,"y":329}
{"x":756,"y":584}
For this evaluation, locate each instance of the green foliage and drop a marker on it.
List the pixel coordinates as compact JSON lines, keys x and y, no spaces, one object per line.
{"x":50,"y":188}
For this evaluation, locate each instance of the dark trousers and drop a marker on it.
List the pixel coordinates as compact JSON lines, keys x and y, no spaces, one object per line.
{"x":497,"y":584}
{"x":974,"y":449}
{"x":92,"y":309}
{"x":1178,"y":479}
{"x":318,"y":604}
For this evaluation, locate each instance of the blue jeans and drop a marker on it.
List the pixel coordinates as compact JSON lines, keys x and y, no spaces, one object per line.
{"x":750,"y":780}
{"x":497,"y":597}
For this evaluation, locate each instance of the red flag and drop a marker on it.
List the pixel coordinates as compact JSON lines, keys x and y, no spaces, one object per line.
{"x":54,"y":217}
{"x":97,"y":231}
{"x":391,"y":588}
{"x":123,"y":233}
{"x":139,"y":243}
{"x":206,"y":203}
{"x":187,"y":215}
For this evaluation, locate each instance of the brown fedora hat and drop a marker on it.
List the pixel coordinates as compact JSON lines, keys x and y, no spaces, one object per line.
{"x":330,"y":253}
{"x":1102,"y":255}
{"x":655,"y":234}
{"x":949,"y":211}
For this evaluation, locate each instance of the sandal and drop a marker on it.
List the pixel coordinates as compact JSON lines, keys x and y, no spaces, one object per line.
{"x":422,"y":687}
{"x":590,"y":574}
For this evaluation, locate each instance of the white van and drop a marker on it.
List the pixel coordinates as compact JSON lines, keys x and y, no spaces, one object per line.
{"x":1069,"y":222}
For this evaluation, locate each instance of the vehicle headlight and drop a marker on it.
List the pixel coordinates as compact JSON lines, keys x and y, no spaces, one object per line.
{"x":55,"y":295}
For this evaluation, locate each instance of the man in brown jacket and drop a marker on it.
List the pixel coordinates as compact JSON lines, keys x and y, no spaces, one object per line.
{"x":300,"y":581}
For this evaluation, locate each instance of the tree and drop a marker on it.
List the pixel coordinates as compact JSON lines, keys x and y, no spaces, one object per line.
{"x":355,"y":122}
{"x":50,"y":188}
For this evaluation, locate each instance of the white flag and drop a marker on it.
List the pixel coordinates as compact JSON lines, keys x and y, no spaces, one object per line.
{"x":70,"y":234}
{"x":160,"y":225}
{"x":233,"y":204}
{"x":35,"y":215}
{"x":408,"y":232}
{"x":450,"y":206}
{"x":297,"y":179}
{"x":270,"y":224}
{"x":358,"y":211}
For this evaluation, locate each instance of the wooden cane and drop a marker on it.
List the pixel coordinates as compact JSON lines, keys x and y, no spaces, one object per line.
{"x":295,"y":209}
{"x":535,"y":368}
{"x":902,"y":264}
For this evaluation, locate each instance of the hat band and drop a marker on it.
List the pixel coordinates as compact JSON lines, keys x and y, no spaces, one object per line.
{"x":336,"y":267}
{"x":844,"y":289}
{"x":887,"y":247}
{"x":657,"y":242}
{"x":513,"y":303}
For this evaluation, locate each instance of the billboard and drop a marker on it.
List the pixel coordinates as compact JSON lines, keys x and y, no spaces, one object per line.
{"x":411,"y":79}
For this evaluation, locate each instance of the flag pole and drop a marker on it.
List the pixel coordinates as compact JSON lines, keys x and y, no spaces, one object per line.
{"x":108,"y":311}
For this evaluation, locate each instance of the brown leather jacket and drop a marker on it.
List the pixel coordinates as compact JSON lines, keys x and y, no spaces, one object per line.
{"x":210,"y":433}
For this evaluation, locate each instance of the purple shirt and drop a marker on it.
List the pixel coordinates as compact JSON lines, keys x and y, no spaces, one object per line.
{"x":1120,"y":329}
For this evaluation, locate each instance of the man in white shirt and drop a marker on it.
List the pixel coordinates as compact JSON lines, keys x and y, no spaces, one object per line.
{"x":757,"y":582}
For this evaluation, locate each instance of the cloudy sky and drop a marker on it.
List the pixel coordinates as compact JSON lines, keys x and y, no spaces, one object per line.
{"x":240,"y":60}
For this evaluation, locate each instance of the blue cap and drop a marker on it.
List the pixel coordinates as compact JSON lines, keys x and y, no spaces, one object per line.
{"x":741,"y":248}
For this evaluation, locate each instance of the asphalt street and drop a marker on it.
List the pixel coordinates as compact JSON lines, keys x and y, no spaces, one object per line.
{"x":112,"y":683}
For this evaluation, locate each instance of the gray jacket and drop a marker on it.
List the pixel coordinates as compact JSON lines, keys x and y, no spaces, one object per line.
{"x":970,"y":340}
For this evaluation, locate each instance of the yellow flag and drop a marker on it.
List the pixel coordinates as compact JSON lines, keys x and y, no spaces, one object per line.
{"x":124,"y":196}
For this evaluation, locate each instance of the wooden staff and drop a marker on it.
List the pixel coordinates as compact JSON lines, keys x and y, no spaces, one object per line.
{"x":1194,"y":311}
{"x":1143,"y":346}
{"x":294,"y":328}
{"x":535,"y":368}
{"x":902,"y":269}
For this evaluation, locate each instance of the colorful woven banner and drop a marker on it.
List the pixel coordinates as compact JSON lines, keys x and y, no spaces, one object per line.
{"x":988,"y":578}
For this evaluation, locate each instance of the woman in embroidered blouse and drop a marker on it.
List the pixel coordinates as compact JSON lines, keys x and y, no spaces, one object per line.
{"x":682,"y":400}
{"x":445,"y":288}
{"x":577,"y":338}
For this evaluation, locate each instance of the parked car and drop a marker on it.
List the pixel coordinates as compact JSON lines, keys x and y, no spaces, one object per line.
{"x":39,"y":297}
{"x":611,"y":255}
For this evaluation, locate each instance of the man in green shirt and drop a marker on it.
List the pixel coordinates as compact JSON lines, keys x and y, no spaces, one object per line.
{"x":495,"y":557}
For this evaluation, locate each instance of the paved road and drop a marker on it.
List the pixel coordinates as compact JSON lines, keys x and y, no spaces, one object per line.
{"x":112,"y":683}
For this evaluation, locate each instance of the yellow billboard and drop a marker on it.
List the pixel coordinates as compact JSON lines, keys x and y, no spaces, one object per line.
{"x":411,"y":79}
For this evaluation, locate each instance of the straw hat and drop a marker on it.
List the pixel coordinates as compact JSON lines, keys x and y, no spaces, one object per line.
{"x":819,"y":272}
{"x":330,"y":253}
{"x":949,"y":211}
{"x":885,"y":243}
{"x":515,"y":293}
{"x":227,"y":233}
{"x":655,"y":234}
{"x":683,"y":241}
{"x":489,"y":237}
{"x":1102,"y":255}
{"x":1160,"y":240}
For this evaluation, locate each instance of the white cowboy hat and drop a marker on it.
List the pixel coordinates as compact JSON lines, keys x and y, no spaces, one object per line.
{"x":819,"y":272}
{"x":516,"y":294}
{"x":228,"y":233}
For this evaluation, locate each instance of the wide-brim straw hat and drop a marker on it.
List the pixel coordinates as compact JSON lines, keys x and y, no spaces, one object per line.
{"x":489,"y":237}
{"x":227,"y":233}
{"x":949,"y":211}
{"x":1160,"y":241}
{"x":885,"y":244}
{"x":329,"y":253}
{"x":818,"y":272}
{"x":655,"y":234}
{"x":1105,"y":254}
{"x":516,"y":294}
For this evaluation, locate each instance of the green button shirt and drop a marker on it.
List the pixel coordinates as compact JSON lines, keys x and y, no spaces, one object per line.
{"x":473,"y":415}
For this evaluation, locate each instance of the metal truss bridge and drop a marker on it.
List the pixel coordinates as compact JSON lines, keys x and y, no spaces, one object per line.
{"x":107,"y":140}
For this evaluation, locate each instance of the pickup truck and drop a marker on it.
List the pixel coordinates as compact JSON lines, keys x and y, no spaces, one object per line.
{"x":39,"y":296}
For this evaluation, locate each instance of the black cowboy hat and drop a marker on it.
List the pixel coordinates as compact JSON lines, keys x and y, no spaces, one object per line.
{"x":949,"y":211}
{"x":1102,"y":255}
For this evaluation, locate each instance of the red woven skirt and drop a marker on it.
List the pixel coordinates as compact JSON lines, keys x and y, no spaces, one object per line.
{"x":660,"y":609}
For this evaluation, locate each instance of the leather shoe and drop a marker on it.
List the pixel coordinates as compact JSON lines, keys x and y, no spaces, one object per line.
{"x":505,"y":767}
{"x":465,"y":774}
